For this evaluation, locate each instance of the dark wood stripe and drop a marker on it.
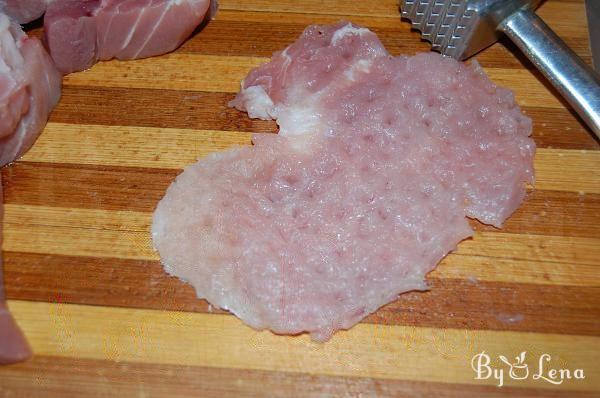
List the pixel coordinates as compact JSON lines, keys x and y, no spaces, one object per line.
{"x":154,"y":108}
{"x":561,"y":129}
{"x":557,"y":128}
{"x":450,"y":303}
{"x":554,"y":213}
{"x":68,"y":377}
{"x":127,"y":188}
{"x":91,"y":187}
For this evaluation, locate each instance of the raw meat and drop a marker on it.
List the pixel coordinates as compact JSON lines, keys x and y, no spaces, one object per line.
{"x":378,"y":161}
{"x":29,"y":90}
{"x":80,"y":33}
{"x":13,"y":346}
{"x":23,"y":11}
{"x":340,"y":80}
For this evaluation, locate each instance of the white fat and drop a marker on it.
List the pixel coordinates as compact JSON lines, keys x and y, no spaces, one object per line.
{"x":347,"y":30}
{"x":301,"y":118}
{"x":287,"y":57}
{"x":258,"y":103}
{"x":4,"y":22}
{"x":11,"y":59}
{"x":364,"y":65}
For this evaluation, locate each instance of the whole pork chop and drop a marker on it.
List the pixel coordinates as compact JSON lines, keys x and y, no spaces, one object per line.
{"x":30,"y":88}
{"x":378,"y":162}
{"x":80,"y":33}
{"x":23,"y":11}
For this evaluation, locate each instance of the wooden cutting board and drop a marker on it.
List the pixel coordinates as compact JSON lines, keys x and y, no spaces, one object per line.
{"x":104,"y":320}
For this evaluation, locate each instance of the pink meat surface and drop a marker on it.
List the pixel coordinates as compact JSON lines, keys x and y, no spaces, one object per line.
{"x":23,"y":11}
{"x":80,"y":33}
{"x":378,"y":162}
{"x":29,"y":90}
{"x":13,"y":346}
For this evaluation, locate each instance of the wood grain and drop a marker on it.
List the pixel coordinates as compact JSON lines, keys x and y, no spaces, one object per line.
{"x":67,"y":377}
{"x":457,"y":303}
{"x":540,"y":259}
{"x":556,"y":169}
{"x":105,"y":320}
{"x":198,"y":110}
{"x":377,"y":351}
{"x":214,"y":73}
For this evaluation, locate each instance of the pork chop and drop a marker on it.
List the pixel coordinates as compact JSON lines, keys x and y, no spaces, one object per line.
{"x":23,"y":11}
{"x":378,"y":162}
{"x":30,"y":88}
{"x":80,"y":33}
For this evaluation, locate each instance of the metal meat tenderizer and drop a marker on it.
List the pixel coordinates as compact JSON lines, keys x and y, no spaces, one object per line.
{"x":462,"y":28}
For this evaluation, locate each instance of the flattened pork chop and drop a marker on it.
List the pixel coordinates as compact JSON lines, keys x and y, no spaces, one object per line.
{"x":378,"y":161}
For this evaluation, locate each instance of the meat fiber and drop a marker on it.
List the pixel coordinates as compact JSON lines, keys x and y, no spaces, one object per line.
{"x":378,"y":161}
{"x":13,"y":346}
{"x":80,"y":33}
{"x":23,"y":11}
{"x":30,"y":87}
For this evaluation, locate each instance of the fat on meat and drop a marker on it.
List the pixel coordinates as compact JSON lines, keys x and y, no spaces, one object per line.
{"x":23,"y":11}
{"x":30,"y":88}
{"x":79,"y":33}
{"x":13,"y":346}
{"x":368,"y":185}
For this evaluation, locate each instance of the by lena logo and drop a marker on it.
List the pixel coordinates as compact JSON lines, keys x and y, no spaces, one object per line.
{"x":519,"y":369}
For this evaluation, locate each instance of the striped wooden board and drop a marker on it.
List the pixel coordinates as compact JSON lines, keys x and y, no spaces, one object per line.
{"x":104,"y":320}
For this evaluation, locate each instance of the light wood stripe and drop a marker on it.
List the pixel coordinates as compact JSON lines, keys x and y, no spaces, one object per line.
{"x":567,"y":19}
{"x":490,"y":256}
{"x":78,"y":232}
{"x":575,"y":170}
{"x":185,"y":72}
{"x":388,"y":352}
{"x":527,"y":85}
{"x":133,"y":146}
{"x":556,"y":169}
{"x":214,"y":73}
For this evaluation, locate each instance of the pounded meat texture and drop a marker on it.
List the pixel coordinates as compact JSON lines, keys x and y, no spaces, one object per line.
{"x":23,"y":11}
{"x":340,"y":80}
{"x":299,"y":234}
{"x":366,"y":188}
{"x":13,"y":346}
{"x":80,"y":33}
{"x":30,"y":88}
